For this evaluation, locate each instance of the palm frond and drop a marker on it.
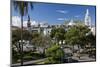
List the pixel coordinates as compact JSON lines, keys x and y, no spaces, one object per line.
{"x":22,"y":7}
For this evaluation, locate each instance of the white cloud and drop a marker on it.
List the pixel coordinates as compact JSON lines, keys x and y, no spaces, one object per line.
{"x":16,"y":21}
{"x":61,"y":19}
{"x":25,"y":23}
{"x":34,"y":23}
{"x":77,"y":16}
{"x":62,"y":11}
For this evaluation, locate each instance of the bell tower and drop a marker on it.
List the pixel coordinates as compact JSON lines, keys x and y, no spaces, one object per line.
{"x":29,"y":24}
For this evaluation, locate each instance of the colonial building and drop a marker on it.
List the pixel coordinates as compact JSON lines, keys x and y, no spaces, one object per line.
{"x":42,"y":28}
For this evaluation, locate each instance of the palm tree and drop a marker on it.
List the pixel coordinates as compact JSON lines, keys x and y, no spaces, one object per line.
{"x":22,"y":8}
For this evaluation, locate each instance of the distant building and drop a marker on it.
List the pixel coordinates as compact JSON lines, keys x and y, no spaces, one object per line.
{"x":87,"y":19}
{"x":71,"y":23}
{"x":93,"y":30}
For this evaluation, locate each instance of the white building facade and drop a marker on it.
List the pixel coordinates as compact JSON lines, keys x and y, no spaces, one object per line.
{"x":87,"y":19}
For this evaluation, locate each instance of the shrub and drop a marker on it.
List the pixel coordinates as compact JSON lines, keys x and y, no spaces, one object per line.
{"x":55,"y":54}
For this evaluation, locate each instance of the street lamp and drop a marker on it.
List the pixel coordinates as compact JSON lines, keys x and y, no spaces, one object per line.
{"x":21,"y":42}
{"x":62,"y":42}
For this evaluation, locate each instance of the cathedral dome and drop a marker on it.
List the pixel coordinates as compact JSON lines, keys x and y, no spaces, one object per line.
{"x":71,"y":23}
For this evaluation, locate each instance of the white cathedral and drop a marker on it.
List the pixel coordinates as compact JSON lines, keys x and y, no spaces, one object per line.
{"x":87,"y":19}
{"x":88,"y":22}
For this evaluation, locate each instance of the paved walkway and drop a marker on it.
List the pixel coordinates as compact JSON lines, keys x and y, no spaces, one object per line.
{"x":29,"y":62}
{"x":83,"y":59}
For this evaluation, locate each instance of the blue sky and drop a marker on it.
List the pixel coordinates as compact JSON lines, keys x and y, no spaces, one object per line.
{"x":58,"y":13}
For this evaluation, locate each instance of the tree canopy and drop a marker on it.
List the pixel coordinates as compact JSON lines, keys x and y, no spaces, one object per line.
{"x":76,"y":35}
{"x":40,"y":40}
{"x":58,"y":33}
{"x":55,"y":54}
{"x":16,"y":35}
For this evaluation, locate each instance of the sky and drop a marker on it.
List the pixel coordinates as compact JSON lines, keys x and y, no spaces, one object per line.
{"x":55,"y":13}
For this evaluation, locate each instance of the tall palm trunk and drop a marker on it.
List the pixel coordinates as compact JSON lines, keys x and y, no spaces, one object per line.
{"x":79,"y":52}
{"x":73,"y":49}
{"x":21,"y":40}
{"x":22,"y":8}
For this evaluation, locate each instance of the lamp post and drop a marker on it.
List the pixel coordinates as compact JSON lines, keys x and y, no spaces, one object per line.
{"x":21,"y":53}
{"x":61,"y":44}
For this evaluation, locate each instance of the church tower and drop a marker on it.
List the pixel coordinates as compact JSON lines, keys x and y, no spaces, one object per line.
{"x":29,"y":24}
{"x":87,"y":19}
